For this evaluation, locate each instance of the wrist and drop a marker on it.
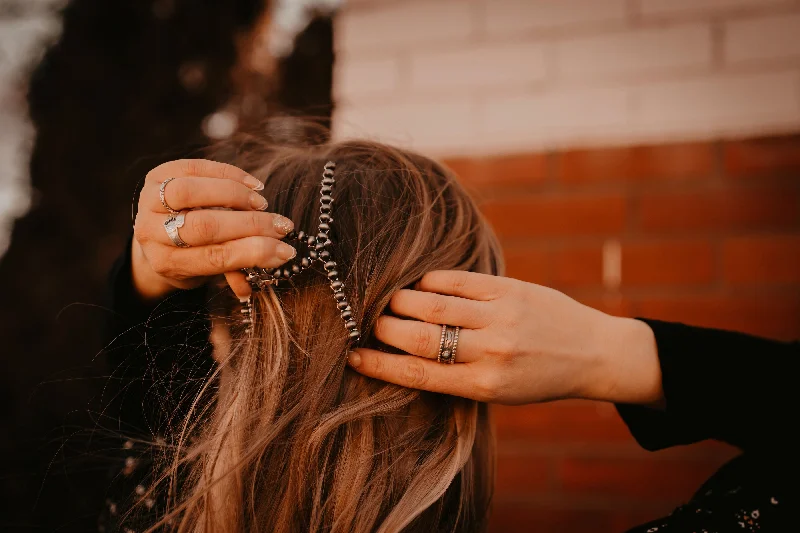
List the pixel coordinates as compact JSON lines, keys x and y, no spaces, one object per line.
{"x":629,"y":370}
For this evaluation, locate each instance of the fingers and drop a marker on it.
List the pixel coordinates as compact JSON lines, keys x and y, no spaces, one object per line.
{"x":469,"y":285}
{"x":423,"y":339}
{"x":200,"y":168}
{"x":438,"y":309}
{"x":187,"y":193}
{"x":206,"y":226}
{"x":214,"y":259}
{"x":238,"y":284}
{"x":416,"y":373}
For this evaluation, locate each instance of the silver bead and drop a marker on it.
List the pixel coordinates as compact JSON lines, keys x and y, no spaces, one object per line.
{"x":296,"y":269}
{"x":325,"y":208}
{"x":306,"y":262}
{"x":326,"y":198}
{"x":330,"y":264}
{"x":325,"y":217}
{"x":332,"y":274}
{"x":326,"y":189}
{"x":336,"y":285}
{"x":328,"y":180}
{"x":301,"y":235}
{"x":324,"y":255}
{"x":354,"y":334}
{"x":350,"y":324}
{"x":339,"y":295}
{"x":286,"y":273}
{"x":311,"y":240}
{"x":343,"y":305}
{"x":312,"y":254}
{"x":324,"y":227}
{"x":347,"y":314}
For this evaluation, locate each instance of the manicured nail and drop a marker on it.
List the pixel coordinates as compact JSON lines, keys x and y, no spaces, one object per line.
{"x":253,"y":183}
{"x":285,"y":251}
{"x":258,"y":202}
{"x":354,"y":359}
{"x":282,"y":224}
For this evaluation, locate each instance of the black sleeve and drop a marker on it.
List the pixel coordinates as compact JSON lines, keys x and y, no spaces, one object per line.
{"x":720,"y":385}
{"x":157,"y":354}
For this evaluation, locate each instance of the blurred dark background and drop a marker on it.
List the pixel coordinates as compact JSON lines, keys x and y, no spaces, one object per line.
{"x":129,"y":84}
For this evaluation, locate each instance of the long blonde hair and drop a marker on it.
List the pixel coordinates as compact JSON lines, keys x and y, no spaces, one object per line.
{"x":292,"y":440}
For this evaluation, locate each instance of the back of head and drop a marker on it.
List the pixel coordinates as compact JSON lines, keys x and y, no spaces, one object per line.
{"x":296,"y":441}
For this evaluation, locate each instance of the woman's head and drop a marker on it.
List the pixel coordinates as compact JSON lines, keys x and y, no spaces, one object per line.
{"x":295,"y":440}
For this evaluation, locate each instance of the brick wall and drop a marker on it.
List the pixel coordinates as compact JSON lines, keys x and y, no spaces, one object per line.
{"x":638,"y":155}
{"x":497,"y":76}
{"x":702,"y":232}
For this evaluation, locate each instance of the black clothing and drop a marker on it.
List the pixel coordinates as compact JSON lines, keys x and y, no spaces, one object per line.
{"x":717,"y":384}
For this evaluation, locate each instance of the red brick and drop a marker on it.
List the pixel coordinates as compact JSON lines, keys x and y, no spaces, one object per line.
{"x":775,"y":315}
{"x":517,"y":169}
{"x":636,"y":163}
{"x":523,"y":474}
{"x":508,"y":517}
{"x":772,"y":155}
{"x":557,"y":215}
{"x":564,"y":421}
{"x":671,"y":262}
{"x":577,"y":266}
{"x":636,"y":479}
{"x":762,"y":260}
{"x":724,"y":209}
{"x":528,"y":264}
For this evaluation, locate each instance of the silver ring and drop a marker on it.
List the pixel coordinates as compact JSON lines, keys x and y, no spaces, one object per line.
{"x":448,"y":344}
{"x":172,"y":225}
{"x":163,"y":200}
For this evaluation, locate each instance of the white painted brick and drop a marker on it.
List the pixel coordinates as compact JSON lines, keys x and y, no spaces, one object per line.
{"x":358,"y":77}
{"x":762,"y":38}
{"x":434,"y":126}
{"x":642,"y":51}
{"x":682,"y":7}
{"x":482,"y":66}
{"x":506,"y":16}
{"x":554,"y":117}
{"x":720,"y":105}
{"x":404,"y":24}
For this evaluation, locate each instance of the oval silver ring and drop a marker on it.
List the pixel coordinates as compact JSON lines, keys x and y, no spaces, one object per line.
{"x":172,"y":225}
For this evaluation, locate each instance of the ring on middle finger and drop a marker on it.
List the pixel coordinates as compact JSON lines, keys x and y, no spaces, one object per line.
{"x":172,"y":225}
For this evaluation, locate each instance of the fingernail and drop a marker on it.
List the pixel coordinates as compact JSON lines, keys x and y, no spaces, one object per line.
{"x":282,"y":224}
{"x":253,"y":183}
{"x":258,"y":202}
{"x":285,"y":251}
{"x":354,"y":359}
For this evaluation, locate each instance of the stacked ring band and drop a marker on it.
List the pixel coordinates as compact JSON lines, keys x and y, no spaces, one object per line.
{"x":448,"y":344}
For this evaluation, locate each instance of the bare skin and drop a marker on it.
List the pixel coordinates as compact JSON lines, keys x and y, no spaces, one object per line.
{"x":222,"y":240}
{"x":519,"y":343}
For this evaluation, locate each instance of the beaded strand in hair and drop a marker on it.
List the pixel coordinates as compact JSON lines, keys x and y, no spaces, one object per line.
{"x":318,"y":249}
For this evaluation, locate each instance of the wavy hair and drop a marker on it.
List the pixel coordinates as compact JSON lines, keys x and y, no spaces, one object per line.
{"x":292,"y":439}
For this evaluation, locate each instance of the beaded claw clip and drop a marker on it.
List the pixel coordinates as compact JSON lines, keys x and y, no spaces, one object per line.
{"x":317,"y":250}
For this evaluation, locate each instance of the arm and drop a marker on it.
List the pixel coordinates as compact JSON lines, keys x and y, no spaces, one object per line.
{"x":721,"y":385}
{"x":524,"y":343}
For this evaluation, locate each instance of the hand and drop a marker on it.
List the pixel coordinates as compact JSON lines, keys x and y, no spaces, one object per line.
{"x":519,"y":343}
{"x":221,"y":241}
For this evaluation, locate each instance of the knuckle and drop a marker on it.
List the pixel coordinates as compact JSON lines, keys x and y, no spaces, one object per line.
{"x":206,"y":227}
{"x":380,"y":329}
{"x":436,"y":310}
{"x":422,"y":340}
{"x":253,"y":222}
{"x":218,"y":256}
{"x":459,"y":281}
{"x":415,"y":375}
{"x":179,"y":193}
{"x":488,"y":386}
{"x":265,"y":251}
